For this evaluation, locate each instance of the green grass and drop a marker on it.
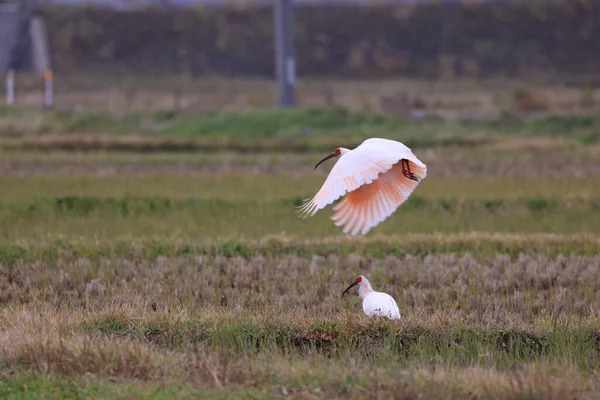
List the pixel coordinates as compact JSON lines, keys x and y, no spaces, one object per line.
{"x":47,"y":386}
{"x":263,"y":187}
{"x":383,"y":343}
{"x":477,"y":244}
{"x":326,"y":379}
{"x":242,"y":207}
{"x":276,"y":123}
{"x":515,"y":163}
{"x":303,"y":128}
{"x":268,"y":123}
{"x":105,"y":218}
{"x":459,"y":346}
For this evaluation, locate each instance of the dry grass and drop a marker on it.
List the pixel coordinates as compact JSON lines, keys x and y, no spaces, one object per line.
{"x":285,"y":186}
{"x":478,"y":245}
{"x":523,"y":158}
{"x":203,"y":373}
{"x":529,"y":101}
{"x":518,"y":293}
{"x":278,"y":325}
{"x":448,"y":98}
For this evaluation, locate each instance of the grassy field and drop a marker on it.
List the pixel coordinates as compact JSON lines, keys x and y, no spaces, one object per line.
{"x":451,"y":98}
{"x":172,"y":263}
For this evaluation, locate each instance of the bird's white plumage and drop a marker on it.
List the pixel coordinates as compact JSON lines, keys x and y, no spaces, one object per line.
{"x":372,"y":176}
{"x":378,"y":304}
{"x":375,"y":304}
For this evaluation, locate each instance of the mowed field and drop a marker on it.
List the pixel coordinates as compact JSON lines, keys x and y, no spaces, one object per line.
{"x":166,"y":259}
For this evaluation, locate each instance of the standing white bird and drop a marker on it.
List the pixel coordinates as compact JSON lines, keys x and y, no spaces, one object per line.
{"x":379,"y":175}
{"x":375,"y":304}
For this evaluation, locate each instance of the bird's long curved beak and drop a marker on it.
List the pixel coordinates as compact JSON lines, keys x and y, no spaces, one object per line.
{"x":350,"y":287}
{"x":325,"y":159}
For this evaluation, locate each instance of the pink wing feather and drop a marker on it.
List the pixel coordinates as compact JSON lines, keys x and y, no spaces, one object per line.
{"x":372,"y":176}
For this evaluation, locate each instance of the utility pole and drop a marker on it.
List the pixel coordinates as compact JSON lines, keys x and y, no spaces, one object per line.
{"x":10,"y":88}
{"x":48,"y":89}
{"x":284,"y":52}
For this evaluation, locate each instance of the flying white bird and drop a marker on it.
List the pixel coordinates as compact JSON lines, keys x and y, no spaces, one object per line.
{"x":375,"y":304}
{"x":379,"y":175}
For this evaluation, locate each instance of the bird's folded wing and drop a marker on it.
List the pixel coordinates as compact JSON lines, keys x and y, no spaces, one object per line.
{"x":381,"y":304}
{"x":361,"y":167}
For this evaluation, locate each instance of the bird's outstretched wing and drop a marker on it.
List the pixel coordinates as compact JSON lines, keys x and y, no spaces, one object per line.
{"x":376,"y":185}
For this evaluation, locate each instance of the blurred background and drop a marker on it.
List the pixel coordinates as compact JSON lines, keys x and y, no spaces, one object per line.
{"x":450,"y":58}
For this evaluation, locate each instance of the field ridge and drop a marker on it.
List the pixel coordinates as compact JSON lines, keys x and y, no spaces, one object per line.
{"x":480,"y":244}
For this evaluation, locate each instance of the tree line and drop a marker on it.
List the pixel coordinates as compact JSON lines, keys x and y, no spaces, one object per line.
{"x":433,"y":39}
